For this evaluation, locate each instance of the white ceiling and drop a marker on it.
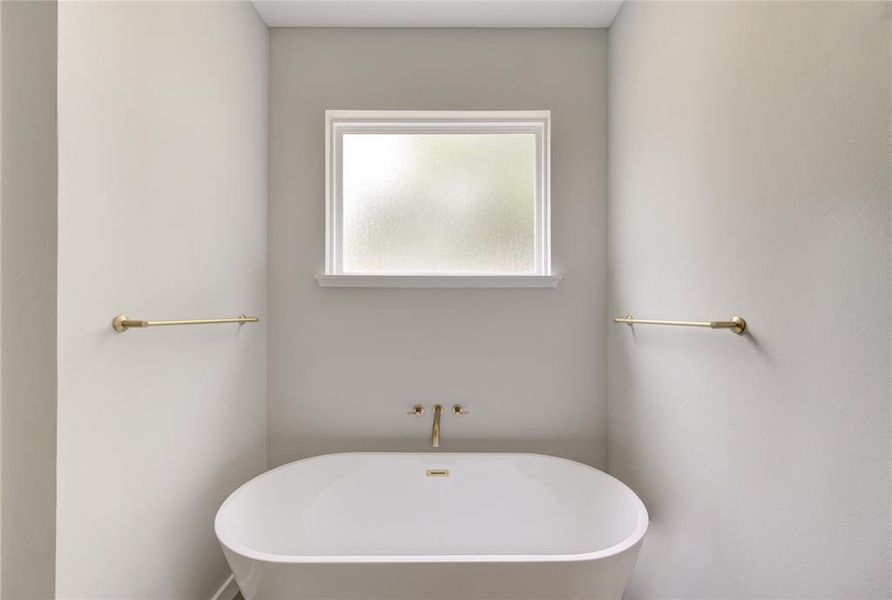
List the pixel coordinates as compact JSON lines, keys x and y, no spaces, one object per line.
{"x":438,"y":13}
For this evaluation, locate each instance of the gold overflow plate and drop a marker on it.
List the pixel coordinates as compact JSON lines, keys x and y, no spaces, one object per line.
{"x":437,"y":472}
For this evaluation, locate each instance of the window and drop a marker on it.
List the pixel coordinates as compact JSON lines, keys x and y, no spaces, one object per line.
{"x":437,"y":199}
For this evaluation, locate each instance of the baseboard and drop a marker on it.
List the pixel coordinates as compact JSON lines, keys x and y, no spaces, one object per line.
{"x":228,"y":590}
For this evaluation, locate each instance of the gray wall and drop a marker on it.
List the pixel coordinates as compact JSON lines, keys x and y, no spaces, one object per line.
{"x":750,"y":174}
{"x":28,"y":68}
{"x":346,"y":364}
{"x":162,"y":214}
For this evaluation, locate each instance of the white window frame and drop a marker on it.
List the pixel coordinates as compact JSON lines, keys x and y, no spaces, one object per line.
{"x":339,"y":122}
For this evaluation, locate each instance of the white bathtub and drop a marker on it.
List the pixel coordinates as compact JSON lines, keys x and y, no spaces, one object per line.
{"x":377,"y":526}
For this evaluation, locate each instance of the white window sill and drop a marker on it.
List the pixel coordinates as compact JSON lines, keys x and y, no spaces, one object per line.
{"x":439,"y":281}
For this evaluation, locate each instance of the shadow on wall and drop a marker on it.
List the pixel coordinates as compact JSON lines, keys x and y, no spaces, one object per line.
{"x":209,"y":494}
{"x":299,"y":447}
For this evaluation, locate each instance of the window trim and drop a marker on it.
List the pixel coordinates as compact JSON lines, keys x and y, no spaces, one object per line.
{"x":338,"y":122}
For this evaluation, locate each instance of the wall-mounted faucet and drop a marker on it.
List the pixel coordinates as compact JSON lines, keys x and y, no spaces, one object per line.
{"x":435,"y":432}
{"x":418,"y":410}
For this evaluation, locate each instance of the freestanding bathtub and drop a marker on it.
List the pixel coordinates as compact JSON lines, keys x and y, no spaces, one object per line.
{"x":376,"y":526}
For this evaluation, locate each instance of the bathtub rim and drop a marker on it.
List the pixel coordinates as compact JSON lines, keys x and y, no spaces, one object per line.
{"x":630,"y":541}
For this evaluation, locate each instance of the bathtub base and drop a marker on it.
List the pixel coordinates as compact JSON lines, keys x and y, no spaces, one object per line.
{"x":602,"y":579}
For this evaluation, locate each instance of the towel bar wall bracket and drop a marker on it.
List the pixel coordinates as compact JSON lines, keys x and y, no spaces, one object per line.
{"x":734,"y":324}
{"x":121,"y":323}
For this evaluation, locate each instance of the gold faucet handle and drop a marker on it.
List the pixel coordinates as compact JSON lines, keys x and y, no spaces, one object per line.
{"x":416,"y":411}
{"x":459,"y":410}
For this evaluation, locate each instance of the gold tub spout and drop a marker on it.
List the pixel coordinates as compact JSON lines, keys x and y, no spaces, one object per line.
{"x":435,"y":432}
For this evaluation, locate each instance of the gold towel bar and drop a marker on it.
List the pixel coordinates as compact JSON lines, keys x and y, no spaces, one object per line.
{"x":735,"y":324}
{"x":122,"y":323}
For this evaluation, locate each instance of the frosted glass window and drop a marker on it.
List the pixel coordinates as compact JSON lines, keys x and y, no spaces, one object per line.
{"x":439,"y":203}
{"x":429,"y":194}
